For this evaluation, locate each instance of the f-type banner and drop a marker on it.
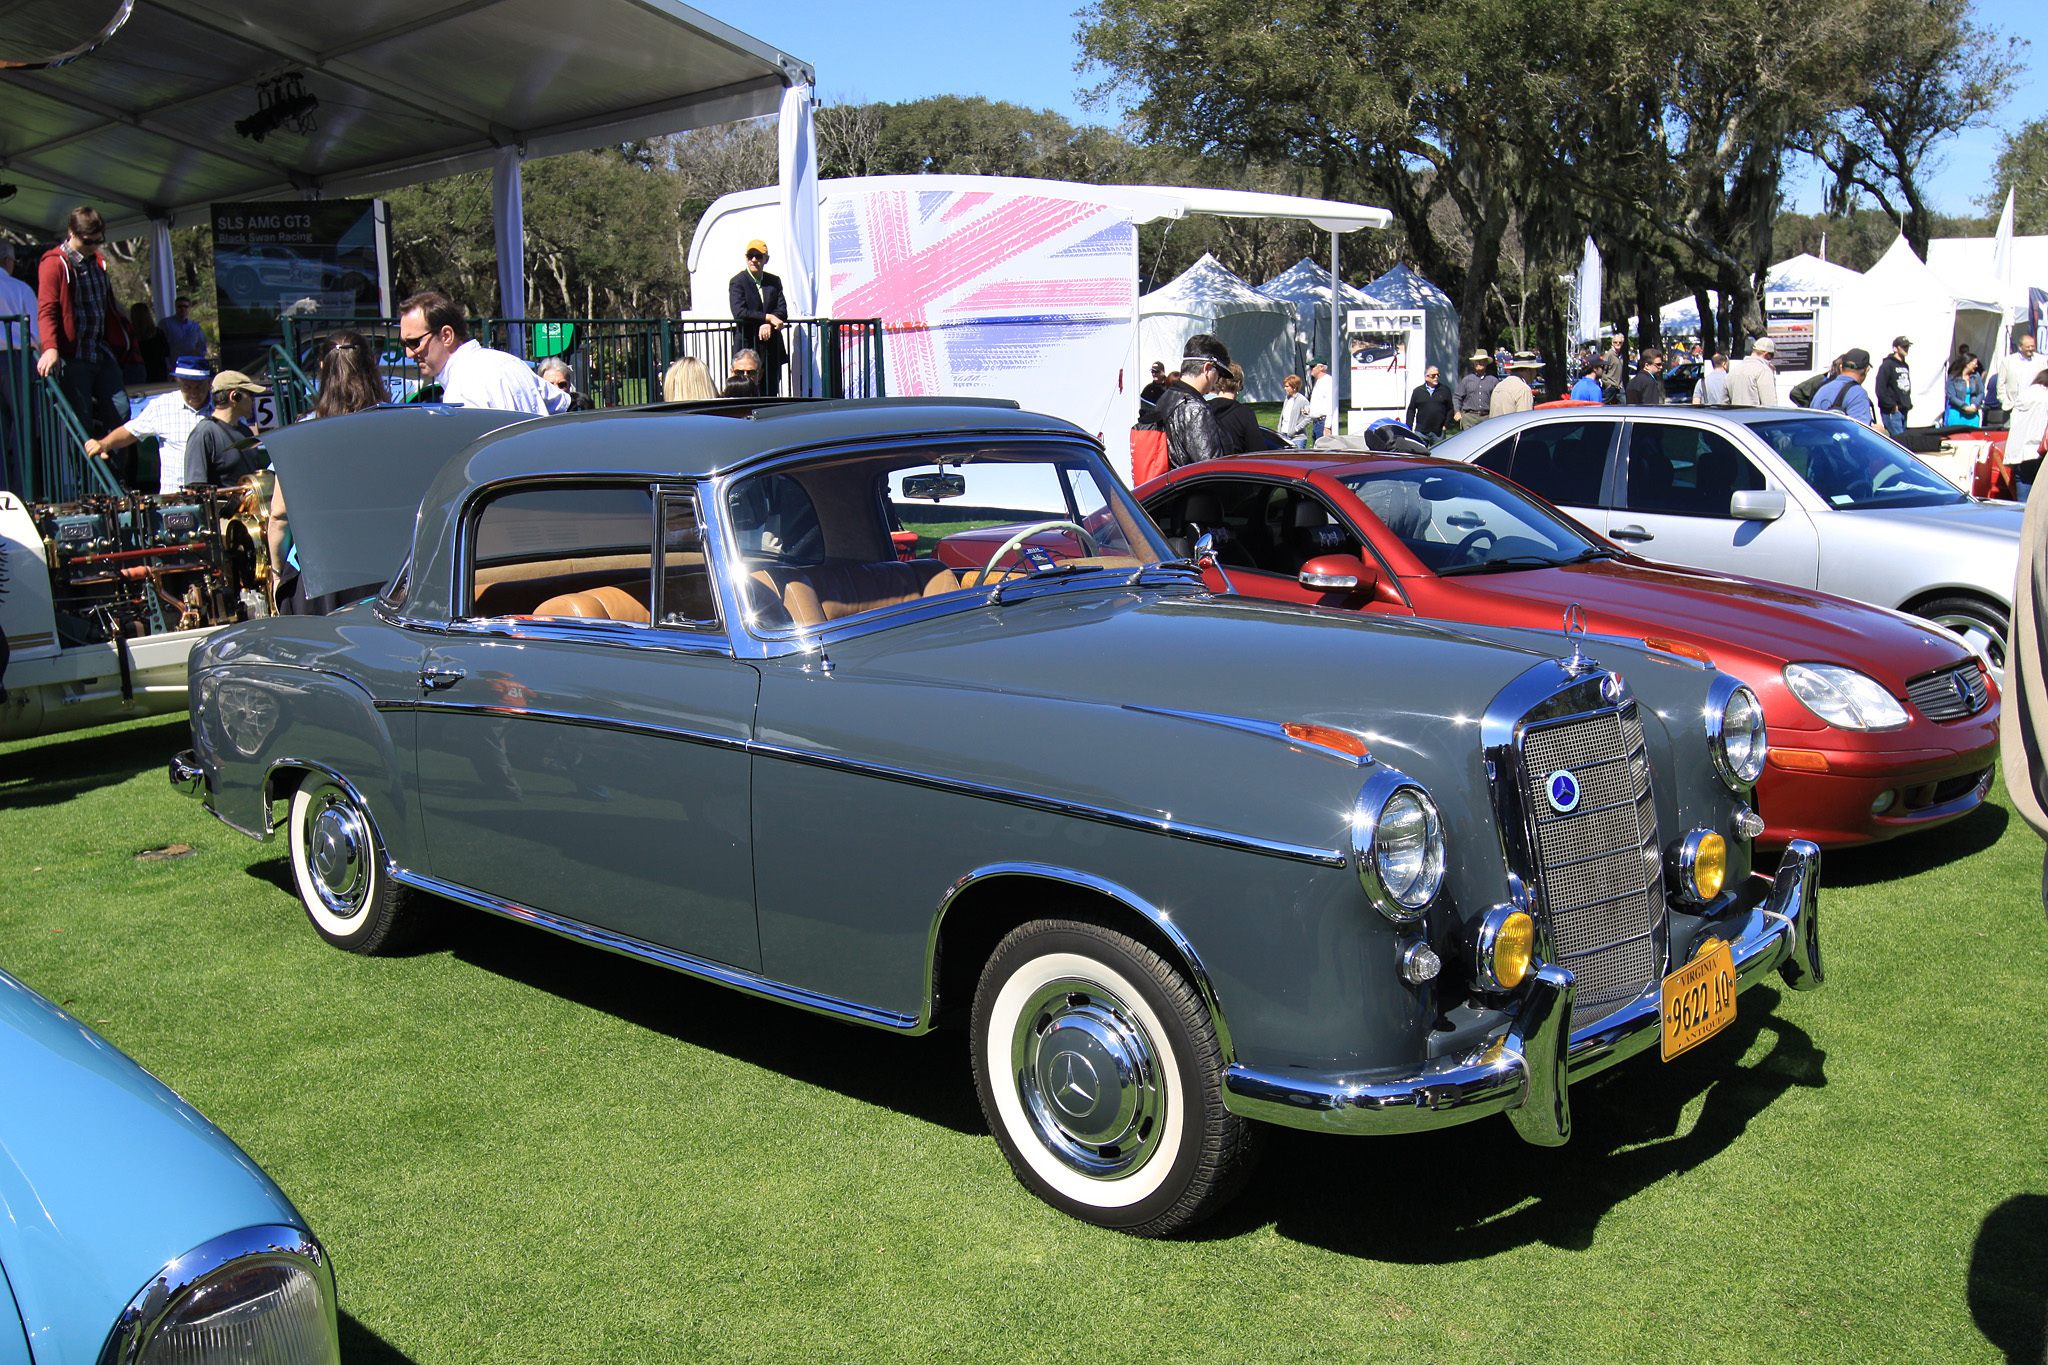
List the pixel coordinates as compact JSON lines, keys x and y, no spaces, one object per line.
{"x":324,"y":258}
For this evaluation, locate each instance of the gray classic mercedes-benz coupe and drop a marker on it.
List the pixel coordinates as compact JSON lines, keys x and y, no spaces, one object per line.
{"x":685,"y":684}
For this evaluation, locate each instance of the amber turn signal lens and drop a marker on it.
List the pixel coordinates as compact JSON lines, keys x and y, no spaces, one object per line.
{"x":1710,"y":866}
{"x":1513,"y":948}
{"x":1680,"y":648}
{"x":1800,"y":760}
{"x":1327,"y":737}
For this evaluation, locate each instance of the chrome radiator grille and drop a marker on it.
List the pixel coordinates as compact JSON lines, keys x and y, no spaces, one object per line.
{"x":1598,"y":865}
{"x":1950,"y":693}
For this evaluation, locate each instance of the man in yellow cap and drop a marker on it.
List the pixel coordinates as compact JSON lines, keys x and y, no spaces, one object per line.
{"x":758,"y":315}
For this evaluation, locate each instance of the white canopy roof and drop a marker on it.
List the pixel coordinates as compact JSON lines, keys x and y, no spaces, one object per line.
{"x":1331,"y":215}
{"x":1306,"y":282}
{"x":1801,"y":274}
{"x":1403,"y":288}
{"x":1207,"y":297}
{"x":1964,"y":264}
{"x":142,"y":127}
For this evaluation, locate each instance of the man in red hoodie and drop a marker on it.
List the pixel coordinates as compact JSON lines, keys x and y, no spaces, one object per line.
{"x":81,"y":324}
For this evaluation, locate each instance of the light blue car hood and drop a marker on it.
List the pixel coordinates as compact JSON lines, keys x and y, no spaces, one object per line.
{"x":106,"y":1176}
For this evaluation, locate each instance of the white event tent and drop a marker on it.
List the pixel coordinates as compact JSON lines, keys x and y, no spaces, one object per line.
{"x":1306,"y":285}
{"x":1208,"y":297}
{"x":1804,"y":274}
{"x":1403,"y":288}
{"x":1902,"y":297}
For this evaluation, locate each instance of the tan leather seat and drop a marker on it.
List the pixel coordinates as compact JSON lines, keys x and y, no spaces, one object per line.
{"x":823,"y":593}
{"x":595,"y":604}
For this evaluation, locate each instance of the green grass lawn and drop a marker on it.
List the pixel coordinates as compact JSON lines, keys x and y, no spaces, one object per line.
{"x":518,"y":1149}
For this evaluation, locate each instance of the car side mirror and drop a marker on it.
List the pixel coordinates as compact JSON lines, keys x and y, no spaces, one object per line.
{"x":1339,"y":573}
{"x":1757,"y":504}
{"x":1205,"y":556}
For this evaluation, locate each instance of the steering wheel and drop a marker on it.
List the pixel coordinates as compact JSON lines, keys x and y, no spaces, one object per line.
{"x":1024,"y":534}
{"x":1471,"y":543}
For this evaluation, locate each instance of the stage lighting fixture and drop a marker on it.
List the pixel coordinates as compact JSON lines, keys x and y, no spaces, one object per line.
{"x":282,"y":103}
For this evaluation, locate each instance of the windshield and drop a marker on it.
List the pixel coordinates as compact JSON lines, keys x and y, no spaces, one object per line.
{"x":835,"y":537}
{"x":1458,"y":520}
{"x":1855,"y":467}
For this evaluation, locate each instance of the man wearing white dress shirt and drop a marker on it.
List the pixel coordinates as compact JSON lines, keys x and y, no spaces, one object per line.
{"x":2015,"y":372}
{"x":434,"y":329}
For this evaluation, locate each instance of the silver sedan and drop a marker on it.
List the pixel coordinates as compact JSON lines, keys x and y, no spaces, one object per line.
{"x":1808,"y":498}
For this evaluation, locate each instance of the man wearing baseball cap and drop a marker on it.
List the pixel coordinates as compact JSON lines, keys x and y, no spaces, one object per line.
{"x":759,"y":314}
{"x":1895,"y":387}
{"x":1844,"y":393}
{"x":1753,"y":380}
{"x":215,"y":453}
{"x":170,"y":417}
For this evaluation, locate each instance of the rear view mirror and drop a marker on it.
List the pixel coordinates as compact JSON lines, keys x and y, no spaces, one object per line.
{"x":1339,"y":573}
{"x":1757,"y":504}
{"x":934,"y":487}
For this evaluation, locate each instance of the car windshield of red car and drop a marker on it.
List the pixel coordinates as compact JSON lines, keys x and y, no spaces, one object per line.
{"x":1458,"y":520}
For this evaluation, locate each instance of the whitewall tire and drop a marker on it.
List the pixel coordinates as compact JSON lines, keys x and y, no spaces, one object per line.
{"x":339,"y":867}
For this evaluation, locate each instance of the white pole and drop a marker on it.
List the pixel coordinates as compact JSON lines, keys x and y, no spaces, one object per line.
{"x":1336,"y":412}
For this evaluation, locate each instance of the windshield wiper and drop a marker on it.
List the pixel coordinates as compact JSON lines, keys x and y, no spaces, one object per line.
{"x":1588,"y":555}
{"x":1505,"y":564}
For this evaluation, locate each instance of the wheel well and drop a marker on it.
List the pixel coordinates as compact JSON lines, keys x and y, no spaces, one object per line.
{"x":980,"y":917}
{"x":278,"y":785}
{"x":1933,"y":595}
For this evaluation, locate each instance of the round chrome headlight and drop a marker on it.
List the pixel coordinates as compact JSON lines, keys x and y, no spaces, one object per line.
{"x":1736,"y":738}
{"x":264,"y":1293}
{"x":1399,"y":839}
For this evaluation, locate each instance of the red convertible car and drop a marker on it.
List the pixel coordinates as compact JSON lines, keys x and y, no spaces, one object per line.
{"x":1879,"y":724}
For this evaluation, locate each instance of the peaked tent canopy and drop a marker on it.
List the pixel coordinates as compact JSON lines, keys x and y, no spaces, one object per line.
{"x":143,"y":126}
{"x":1403,"y":288}
{"x":1801,"y":274}
{"x":1207,"y":297}
{"x":1904,"y":298}
{"x":1306,"y":285}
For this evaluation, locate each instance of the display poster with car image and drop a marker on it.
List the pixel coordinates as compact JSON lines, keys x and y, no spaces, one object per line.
{"x":328,"y":259}
{"x":1795,"y":330}
{"x":1387,"y":357}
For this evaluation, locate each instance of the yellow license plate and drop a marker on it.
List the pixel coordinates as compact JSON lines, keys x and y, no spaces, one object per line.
{"x":1699,"y":999}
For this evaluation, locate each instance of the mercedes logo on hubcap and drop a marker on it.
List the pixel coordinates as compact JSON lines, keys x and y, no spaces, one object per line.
{"x":1073,"y":1083}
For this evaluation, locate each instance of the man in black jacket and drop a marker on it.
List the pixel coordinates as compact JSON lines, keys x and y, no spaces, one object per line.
{"x":1181,"y":412}
{"x":758,"y":315}
{"x":1429,"y":407}
{"x":1648,"y":385}
{"x":1895,"y":387}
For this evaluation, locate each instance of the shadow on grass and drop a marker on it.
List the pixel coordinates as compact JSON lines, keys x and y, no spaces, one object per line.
{"x":926,"y":1078}
{"x":1473,"y":1191}
{"x":53,"y":772}
{"x":2008,"y":1285}
{"x":361,"y":1346}
{"x":1913,"y":854}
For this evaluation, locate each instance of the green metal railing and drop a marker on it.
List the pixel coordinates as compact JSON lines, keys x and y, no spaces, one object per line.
{"x":616,"y":361}
{"x":47,"y":460}
{"x":290,"y":389}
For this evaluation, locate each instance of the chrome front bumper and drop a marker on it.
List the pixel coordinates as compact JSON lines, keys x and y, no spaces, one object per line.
{"x":1527,"y":1072}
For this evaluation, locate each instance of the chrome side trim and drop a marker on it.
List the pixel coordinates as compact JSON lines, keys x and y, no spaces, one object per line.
{"x":1157,"y":918}
{"x":569,"y":718}
{"x":1265,"y":729}
{"x":674,"y":639}
{"x":1326,"y":857}
{"x":627,"y":946}
{"x":257,"y":1245}
{"x":1782,"y":933}
{"x":315,"y":766}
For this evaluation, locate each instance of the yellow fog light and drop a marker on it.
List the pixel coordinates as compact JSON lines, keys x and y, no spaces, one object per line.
{"x":1699,"y":863}
{"x":1505,"y":949}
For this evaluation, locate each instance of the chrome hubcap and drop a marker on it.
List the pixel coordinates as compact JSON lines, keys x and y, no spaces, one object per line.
{"x":336,"y":848}
{"x":1090,"y":1079}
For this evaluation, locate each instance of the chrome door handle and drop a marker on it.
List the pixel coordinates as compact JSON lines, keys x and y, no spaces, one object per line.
{"x":434,"y":679}
{"x":1631,"y":533}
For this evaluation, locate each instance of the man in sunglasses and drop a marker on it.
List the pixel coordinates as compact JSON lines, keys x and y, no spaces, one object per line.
{"x":759,"y":315}
{"x":434,"y":330}
{"x":1192,"y":433}
{"x":77,"y":316}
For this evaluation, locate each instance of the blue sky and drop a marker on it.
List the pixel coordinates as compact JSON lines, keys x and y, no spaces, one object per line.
{"x":1024,"y":51}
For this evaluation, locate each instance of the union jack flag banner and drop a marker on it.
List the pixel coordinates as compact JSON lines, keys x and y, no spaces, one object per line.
{"x":993,"y":295}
